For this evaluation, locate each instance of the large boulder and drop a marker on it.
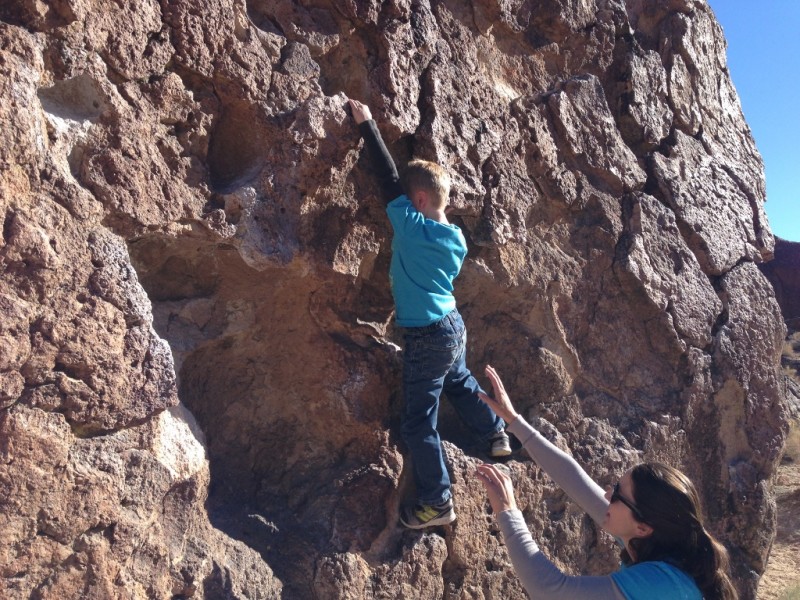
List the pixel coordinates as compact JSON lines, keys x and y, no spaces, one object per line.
{"x":199,"y":370}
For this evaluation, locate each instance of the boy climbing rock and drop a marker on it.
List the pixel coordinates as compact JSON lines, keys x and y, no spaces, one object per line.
{"x":427,"y":254}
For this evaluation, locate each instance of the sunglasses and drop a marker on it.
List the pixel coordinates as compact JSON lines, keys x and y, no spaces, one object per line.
{"x":617,"y":497}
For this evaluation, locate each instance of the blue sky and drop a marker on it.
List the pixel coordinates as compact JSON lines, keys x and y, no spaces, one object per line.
{"x":763,"y":59}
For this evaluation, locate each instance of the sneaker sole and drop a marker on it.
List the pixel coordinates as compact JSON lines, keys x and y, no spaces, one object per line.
{"x":445,"y":519}
{"x":501,"y":453}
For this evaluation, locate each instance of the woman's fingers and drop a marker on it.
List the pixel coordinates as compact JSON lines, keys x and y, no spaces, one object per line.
{"x":484,"y":479}
{"x":491,"y":374}
{"x":492,"y":487}
{"x":497,"y":383}
{"x":492,"y":473}
{"x":495,"y":405}
{"x":502,"y":403}
{"x":498,"y":487}
{"x":488,"y":399}
{"x":485,"y":472}
{"x":494,"y":381}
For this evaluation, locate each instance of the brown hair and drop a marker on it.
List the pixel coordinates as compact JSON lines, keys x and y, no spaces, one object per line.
{"x":430,"y":177}
{"x":669,"y":503}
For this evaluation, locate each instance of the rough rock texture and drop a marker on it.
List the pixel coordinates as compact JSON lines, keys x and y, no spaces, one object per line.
{"x":182,"y":178}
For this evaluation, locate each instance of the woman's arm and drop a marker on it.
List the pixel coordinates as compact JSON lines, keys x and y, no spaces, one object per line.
{"x":563,"y":469}
{"x":559,"y":465}
{"x":540,"y":577}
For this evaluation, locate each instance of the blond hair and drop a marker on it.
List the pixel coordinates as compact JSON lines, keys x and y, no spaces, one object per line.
{"x":424,"y":175}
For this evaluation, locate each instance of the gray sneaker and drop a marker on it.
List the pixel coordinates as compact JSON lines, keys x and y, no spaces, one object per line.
{"x":424,"y":515}
{"x":499,"y":445}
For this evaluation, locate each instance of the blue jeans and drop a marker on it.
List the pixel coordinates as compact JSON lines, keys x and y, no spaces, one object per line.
{"x":434,"y":361}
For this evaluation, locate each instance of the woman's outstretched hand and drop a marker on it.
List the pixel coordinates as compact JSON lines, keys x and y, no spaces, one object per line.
{"x":501,"y":403}
{"x":498,"y":487}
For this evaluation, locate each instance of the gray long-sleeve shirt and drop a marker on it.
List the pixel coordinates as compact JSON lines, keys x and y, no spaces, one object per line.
{"x":540,"y":577}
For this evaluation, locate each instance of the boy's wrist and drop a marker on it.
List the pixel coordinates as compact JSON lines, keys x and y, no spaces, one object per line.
{"x":368,"y":127}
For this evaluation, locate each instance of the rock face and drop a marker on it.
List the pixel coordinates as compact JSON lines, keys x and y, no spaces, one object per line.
{"x":199,"y":370}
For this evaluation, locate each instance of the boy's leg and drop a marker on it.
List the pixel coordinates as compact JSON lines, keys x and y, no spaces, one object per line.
{"x":462,"y":390}
{"x":426,"y":361}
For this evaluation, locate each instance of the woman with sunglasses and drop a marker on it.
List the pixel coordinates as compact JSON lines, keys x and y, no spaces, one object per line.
{"x":653,"y":511}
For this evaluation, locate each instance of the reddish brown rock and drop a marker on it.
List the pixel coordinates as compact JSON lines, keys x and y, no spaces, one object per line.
{"x":189,"y":231}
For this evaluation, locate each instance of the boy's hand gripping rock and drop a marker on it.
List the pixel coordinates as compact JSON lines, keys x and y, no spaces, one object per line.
{"x":360,"y":111}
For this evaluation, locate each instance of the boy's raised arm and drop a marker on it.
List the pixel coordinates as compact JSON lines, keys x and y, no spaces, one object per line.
{"x":382,"y":162}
